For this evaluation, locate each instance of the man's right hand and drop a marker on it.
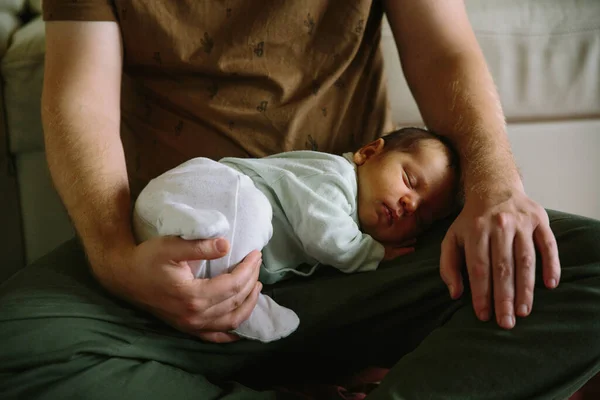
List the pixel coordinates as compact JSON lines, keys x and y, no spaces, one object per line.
{"x":156,"y":276}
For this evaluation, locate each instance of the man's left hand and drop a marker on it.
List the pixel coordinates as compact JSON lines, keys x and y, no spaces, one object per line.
{"x":496,"y":235}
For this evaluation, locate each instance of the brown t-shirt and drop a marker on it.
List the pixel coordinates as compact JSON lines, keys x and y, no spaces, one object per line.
{"x":219,"y":78}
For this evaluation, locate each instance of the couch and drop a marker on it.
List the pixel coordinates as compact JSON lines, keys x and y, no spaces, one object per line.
{"x":544,"y":56}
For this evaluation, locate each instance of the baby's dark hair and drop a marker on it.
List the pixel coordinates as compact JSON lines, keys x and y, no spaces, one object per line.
{"x":409,"y":139}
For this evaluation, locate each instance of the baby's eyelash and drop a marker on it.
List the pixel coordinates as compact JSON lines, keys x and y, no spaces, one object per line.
{"x":408,"y":181}
{"x":411,"y":181}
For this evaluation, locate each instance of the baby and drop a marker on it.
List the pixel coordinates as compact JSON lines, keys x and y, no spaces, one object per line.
{"x":304,"y":209}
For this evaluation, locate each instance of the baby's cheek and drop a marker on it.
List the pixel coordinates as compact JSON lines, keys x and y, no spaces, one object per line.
{"x":407,"y":229}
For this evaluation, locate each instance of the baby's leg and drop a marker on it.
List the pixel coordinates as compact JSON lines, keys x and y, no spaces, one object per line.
{"x":202,"y":199}
{"x":252,"y":229}
{"x":190,"y":201}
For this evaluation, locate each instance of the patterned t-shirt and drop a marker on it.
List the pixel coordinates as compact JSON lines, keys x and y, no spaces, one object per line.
{"x":218,"y":78}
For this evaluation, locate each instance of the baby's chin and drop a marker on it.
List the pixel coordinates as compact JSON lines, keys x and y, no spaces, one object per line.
{"x":389,"y":238}
{"x":381,"y":237}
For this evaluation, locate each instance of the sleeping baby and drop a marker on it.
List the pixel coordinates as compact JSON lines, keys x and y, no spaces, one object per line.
{"x":304,"y":210}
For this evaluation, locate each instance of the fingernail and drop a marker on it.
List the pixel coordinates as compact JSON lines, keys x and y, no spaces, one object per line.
{"x":221,"y":245}
{"x":508,"y":321}
{"x":552,"y":283}
{"x":523,"y":309}
{"x":451,"y":290}
{"x":260,"y":286}
{"x":484,"y":315}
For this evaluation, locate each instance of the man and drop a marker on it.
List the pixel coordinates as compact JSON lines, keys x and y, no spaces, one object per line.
{"x":153,"y":84}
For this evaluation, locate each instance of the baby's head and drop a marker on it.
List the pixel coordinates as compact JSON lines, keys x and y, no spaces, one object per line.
{"x":406,"y":181}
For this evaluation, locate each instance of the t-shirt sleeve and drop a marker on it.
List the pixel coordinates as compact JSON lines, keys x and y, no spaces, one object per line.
{"x":80,"y":10}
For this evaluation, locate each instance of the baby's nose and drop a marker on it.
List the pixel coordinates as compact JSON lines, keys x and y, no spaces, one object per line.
{"x":409,"y":204}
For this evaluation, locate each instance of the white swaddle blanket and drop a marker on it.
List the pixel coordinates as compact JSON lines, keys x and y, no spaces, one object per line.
{"x":204,"y":199}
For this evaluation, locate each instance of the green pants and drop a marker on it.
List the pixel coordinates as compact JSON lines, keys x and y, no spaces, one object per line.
{"x":63,"y":337}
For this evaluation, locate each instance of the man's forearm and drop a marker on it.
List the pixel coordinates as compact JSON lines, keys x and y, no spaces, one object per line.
{"x":86,"y":161}
{"x":463,"y":104}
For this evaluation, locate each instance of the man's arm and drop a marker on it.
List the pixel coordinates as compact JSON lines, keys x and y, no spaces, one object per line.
{"x":450,"y":81}
{"x":81,"y":119}
{"x":448,"y":76}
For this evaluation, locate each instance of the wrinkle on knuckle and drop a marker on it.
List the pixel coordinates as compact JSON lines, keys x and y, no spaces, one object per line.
{"x":505,"y":302}
{"x":237,"y":287}
{"x":236,"y":302}
{"x":526,"y":263}
{"x":504,"y":269}
{"x":199,"y":253}
{"x":548,"y":245}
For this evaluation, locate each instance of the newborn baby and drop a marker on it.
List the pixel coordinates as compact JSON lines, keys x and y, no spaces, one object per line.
{"x":304,"y":210}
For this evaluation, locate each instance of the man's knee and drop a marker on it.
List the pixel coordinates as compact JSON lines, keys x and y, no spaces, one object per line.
{"x":578,"y":238}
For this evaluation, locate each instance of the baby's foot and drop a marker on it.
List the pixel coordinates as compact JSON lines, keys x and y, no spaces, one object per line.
{"x":268,"y":322}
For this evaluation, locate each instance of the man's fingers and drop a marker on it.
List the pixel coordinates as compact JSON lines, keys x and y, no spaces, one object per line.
{"x":238,"y":284}
{"x":503,"y":274}
{"x":477,"y":253}
{"x":451,"y":261}
{"x":232,"y":320}
{"x":524,"y":252}
{"x":178,"y":249}
{"x":232,"y":303}
{"x":546,"y":244}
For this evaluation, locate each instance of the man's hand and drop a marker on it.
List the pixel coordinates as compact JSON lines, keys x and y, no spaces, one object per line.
{"x":156,"y":276}
{"x":497,"y":236}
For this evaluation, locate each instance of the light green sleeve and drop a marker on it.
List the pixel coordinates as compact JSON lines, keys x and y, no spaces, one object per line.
{"x":320,"y":208}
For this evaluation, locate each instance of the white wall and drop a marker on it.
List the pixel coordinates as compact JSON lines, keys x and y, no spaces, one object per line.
{"x":560,"y":164}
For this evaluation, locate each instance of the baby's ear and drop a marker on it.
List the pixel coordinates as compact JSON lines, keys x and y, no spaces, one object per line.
{"x":368,"y":151}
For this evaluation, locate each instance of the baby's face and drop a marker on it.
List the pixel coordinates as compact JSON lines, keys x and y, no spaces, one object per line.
{"x":401,"y":194}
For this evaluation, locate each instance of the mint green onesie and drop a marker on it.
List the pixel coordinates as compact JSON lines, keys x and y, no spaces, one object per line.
{"x":315,"y":220}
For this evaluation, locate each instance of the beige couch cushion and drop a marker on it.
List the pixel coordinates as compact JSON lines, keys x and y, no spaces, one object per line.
{"x":8,"y":25}
{"x":12,"y":6}
{"x":544,"y":56}
{"x":23,"y":69}
{"x":45,"y":220}
{"x":35,"y":6}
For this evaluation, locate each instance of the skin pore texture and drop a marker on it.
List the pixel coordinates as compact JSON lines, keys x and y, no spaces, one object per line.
{"x":401,"y":193}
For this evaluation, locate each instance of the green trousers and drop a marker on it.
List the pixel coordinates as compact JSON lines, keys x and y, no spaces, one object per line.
{"x":63,"y":337}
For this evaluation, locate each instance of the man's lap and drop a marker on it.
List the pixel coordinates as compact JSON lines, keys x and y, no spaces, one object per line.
{"x":55,"y":319}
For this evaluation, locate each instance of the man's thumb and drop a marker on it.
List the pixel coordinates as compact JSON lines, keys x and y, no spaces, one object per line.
{"x":179,"y":249}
